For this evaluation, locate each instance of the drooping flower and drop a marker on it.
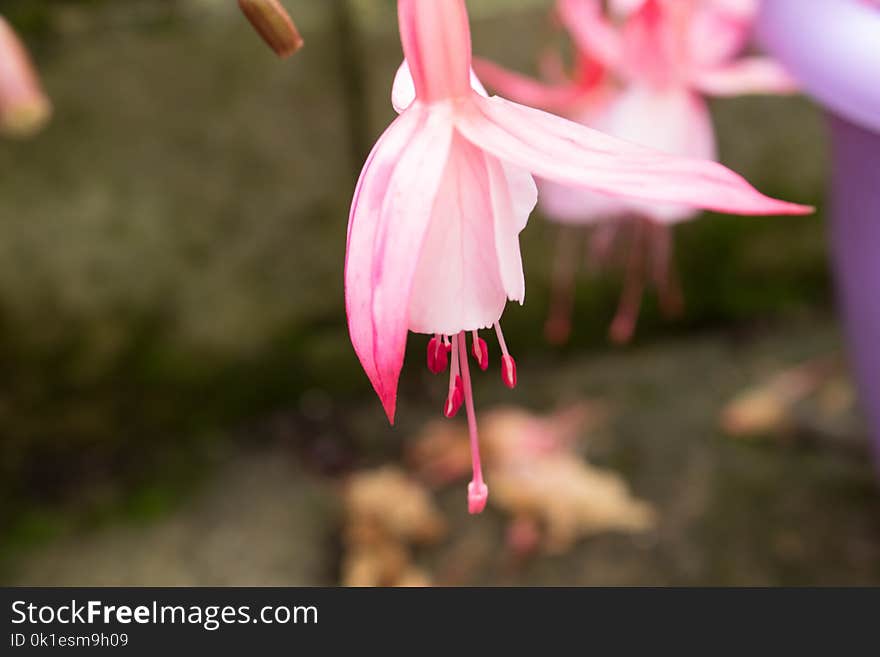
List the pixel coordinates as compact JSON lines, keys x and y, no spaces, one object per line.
{"x":433,"y":236}
{"x":662,"y":57}
{"x":24,"y":107}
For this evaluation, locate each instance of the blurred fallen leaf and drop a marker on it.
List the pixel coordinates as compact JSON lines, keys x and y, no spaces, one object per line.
{"x":769,"y":408}
{"x":386,"y":512}
{"x":441,"y":454}
{"x":570,"y":498}
{"x":536,"y":475}
{"x":756,"y":411}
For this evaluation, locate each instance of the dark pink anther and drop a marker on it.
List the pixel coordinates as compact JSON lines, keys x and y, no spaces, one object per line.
{"x":508,"y":371}
{"x":480,"y":350}
{"x":438,"y":356}
{"x":454,"y":400}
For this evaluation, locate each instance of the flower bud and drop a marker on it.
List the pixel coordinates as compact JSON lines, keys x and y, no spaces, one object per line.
{"x":273,"y":24}
{"x":24,"y":108}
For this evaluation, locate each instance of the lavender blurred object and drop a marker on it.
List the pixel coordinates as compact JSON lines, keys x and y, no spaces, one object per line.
{"x":833,"y":47}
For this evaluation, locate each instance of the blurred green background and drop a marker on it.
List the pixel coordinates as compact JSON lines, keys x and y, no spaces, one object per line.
{"x":172,"y":339}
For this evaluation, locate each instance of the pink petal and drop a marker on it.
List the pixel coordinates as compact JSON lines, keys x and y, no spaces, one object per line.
{"x":676,"y":122}
{"x":363,"y":224}
{"x":716,"y":30}
{"x":719,"y":30}
{"x":457,"y":285}
{"x":576,"y":206}
{"x":591,"y":32}
{"x":623,"y":8}
{"x":742,"y":9}
{"x":389,"y":217}
{"x":751,"y":75}
{"x":525,"y":90}
{"x":436,"y":42}
{"x":565,"y":152}
{"x":403,"y":93}
{"x":514,"y":196}
{"x":653,"y":52}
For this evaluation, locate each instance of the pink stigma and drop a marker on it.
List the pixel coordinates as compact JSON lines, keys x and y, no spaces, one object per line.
{"x":478,"y":495}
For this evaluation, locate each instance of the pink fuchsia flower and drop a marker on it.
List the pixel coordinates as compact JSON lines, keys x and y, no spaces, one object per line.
{"x":663,"y":57}
{"x":433,"y":236}
{"x":668,"y":55}
{"x":24,"y":107}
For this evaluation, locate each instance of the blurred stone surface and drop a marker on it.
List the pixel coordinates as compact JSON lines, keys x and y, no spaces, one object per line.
{"x":186,"y":174}
{"x":260,"y":522}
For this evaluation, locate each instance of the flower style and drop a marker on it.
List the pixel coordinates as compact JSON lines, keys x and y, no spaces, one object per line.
{"x":433,"y":236}
{"x":24,"y":108}
{"x":660,"y":63}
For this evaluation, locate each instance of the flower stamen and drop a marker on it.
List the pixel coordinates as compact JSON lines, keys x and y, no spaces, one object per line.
{"x":478,"y":492}
{"x":455,"y":397}
{"x":438,"y":355}
{"x":557,"y":329}
{"x":664,"y":273}
{"x":480,"y":351}
{"x":508,"y":365}
{"x":624,"y":325}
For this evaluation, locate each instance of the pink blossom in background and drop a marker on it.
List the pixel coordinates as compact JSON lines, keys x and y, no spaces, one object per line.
{"x":433,"y":236}
{"x":662,"y":57}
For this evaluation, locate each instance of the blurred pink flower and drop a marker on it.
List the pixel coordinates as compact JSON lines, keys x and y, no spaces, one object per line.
{"x":433,"y":236}
{"x":662,"y":57}
{"x":24,"y":108}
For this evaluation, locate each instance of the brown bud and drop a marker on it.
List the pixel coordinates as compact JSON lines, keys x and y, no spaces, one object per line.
{"x":24,"y":108}
{"x":273,"y":23}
